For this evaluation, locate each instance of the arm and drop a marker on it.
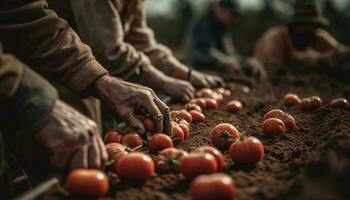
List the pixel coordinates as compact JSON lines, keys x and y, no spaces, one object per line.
{"x":39,"y":38}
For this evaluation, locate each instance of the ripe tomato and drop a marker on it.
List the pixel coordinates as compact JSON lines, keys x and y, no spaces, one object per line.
{"x":178,"y":115}
{"x":159,"y":142}
{"x":340,"y":103}
{"x":200,"y":102}
{"x":218,"y":97}
{"x":275,"y":113}
{"x":291,"y":100}
{"x":215,"y":152}
{"x":192,"y":106}
{"x":135,"y":167}
{"x":115,"y":151}
{"x":149,"y":124}
{"x":168,"y":160}
{"x":306,"y":104}
{"x":316,"y":102}
{"x":89,"y":183}
{"x":113,"y":136}
{"x":178,"y":135}
{"x":185,"y":130}
{"x":211,"y":104}
{"x":197,"y":164}
{"x":215,"y":186}
{"x":223,"y":135}
{"x":132,"y":140}
{"x":197,"y":116}
{"x":234,"y":106}
{"x":205,"y":92}
{"x":247,"y":152}
{"x":273,"y":126}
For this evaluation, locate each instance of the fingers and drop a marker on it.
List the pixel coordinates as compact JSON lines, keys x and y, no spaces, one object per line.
{"x":80,"y":158}
{"x":135,"y":123}
{"x":164,"y":109}
{"x":94,"y":155}
{"x":154,"y":111}
{"x":103,"y":152}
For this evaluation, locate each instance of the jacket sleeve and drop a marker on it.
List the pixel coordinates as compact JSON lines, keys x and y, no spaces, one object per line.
{"x":25,"y":97}
{"x":39,"y":38}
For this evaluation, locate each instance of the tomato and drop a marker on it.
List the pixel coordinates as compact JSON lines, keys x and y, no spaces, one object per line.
{"x":215,"y":186}
{"x":178,"y":115}
{"x":211,"y":104}
{"x":273,"y":126}
{"x":316,"y":102}
{"x":197,"y":116}
{"x":223,"y":135}
{"x":149,"y":124}
{"x":247,"y":152}
{"x":205,"y":92}
{"x":234,"y":106}
{"x":185,"y":130}
{"x":200,"y":102}
{"x":275,"y":113}
{"x":132,"y":140}
{"x":135,"y":167}
{"x":159,"y":142}
{"x":168,"y":160}
{"x":340,"y":103}
{"x":178,"y":134}
{"x":218,"y":97}
{"x":89,"y":183}
{"x":215,"y":152}
{"x":113,"y":136}
{"x":306,"y":104}
{"x":192,"y":106}
{"x":287,"y":119}
{"x":291,"y":99}
{"x":197,"y":164}
{"x":115,"y":151}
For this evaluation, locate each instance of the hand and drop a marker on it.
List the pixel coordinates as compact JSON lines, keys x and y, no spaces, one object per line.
{"x":125,"y":99}
{"x":328,"y":58}
{"x":73,"y":139}
{"x":178,"y":89}
{"x":202,"y":80}
{"x":255,"y":69}
{"x":234,"y":67}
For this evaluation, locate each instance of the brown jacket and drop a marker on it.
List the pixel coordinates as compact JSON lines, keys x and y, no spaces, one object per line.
{"x":275,"y":47}
{"x":36,"y":36}
{"x":118,"y":34}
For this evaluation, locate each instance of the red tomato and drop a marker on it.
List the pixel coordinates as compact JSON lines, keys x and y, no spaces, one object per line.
{"x":340,"y":103}
{"x":200,"y":102}
{"x":135,"y":167}
{"x":197,"y":164}
{"x":89,"y":183}
{"x":115,"y":151}
{"x":306,"y":104}
{"x":275,"y":113}
{"x":178,"y":134}
{"x":205,"y":92}
{"x":159,"y":142}
{"x":316,"y":102}
{"x":178,"y":115}
{"x":185,"y":130}
{"x":291,"y":100}
{"x":234,"y":106}
{"x":211,"y":104}
{"x":273,"y":126}
{"x":113,"y":136}
{"x":247,"y":152}
{"x":149,"y":124}
{"x":197,"y":116}
{"x":216,"y":186}
{"x":223,"y":135}
{"x":132,"y":140}
{"x":216,"y":153}
{"x":168,"y":160}
{"x":192,"y":106}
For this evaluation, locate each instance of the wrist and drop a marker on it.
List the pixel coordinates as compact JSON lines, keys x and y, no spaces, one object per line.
{"x":101,"y":87}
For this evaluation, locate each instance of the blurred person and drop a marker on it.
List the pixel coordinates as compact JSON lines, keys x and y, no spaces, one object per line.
{"x":211,"y":43}
{"x":302,"y":42}
{"x":117,"y":32}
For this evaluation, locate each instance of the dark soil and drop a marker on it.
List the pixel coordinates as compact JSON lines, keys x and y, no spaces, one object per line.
{"x":311,"y":162}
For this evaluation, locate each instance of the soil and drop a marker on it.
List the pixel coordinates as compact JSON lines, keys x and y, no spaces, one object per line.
{"x":311,"y":162}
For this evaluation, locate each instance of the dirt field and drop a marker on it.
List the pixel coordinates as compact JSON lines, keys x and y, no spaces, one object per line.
{"x":311,"y":162}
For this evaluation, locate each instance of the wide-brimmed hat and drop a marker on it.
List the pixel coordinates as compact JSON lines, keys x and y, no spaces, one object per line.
{"x":230,"y":5}
{"x":308,"y":11}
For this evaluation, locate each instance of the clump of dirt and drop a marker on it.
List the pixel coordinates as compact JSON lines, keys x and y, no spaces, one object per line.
{"x":311,"y":162}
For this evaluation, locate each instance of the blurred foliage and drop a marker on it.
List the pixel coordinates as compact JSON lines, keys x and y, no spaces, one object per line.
{"x":248,"y":27}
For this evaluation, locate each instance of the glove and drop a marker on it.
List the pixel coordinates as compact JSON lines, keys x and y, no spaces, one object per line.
{"x":72,"y":138}
{"x":125,"y":99}
{"x":202,"y":80}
